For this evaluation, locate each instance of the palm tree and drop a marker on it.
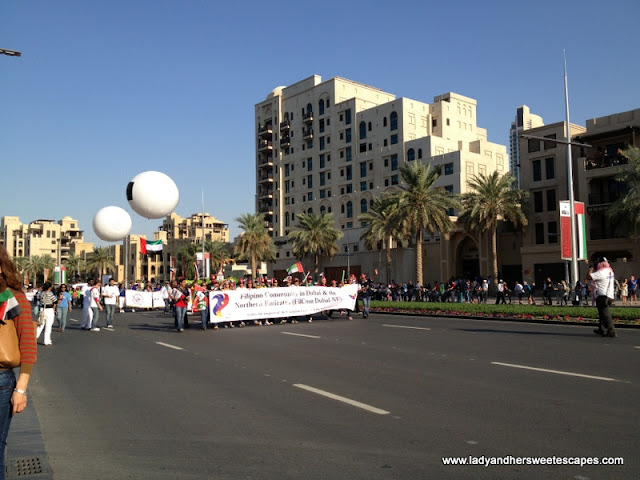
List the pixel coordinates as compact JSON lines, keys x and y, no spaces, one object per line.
{"x":381,"y":227}
{"x":38,"y":264}
{"x":21,"y":264}
{"x":220,"y":252}
{"x":187,"y":255}
{"x":101,"y":260}
{"x":75,"y":263}
{"x":625,"y":212}
{"x":255,"y":244}
{"x":492,"y":198}
{"x":316,"y":236}
{"x":422,"y":206}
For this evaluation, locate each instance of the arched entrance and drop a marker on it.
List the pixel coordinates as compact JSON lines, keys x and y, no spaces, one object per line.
{"x":468,"y":259}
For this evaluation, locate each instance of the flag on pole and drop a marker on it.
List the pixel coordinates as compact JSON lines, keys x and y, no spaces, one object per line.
{"x":295,"y":268}
{"x":565,"y":230}
{"x":150,"y":246}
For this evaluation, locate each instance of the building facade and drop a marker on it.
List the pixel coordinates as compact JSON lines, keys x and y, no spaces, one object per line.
{"x":525,"y":120}
{"x":332,"y":146}
{"x":57,"y":238}
{"x":544,"y":174}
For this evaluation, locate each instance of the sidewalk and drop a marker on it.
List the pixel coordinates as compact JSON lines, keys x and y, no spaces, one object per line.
{"x":26,"y":454}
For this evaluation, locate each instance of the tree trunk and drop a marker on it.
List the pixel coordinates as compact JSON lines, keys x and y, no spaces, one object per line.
{"x":419,"y":237}
{"x":316,"y":261}
{"x":494,"y":256}
{"x":388,"y":261}
{"x":254,"y":266}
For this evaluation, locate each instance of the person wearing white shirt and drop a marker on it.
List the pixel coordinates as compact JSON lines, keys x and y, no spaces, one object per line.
{"x":110,"y":294}
{"x":87,"y":313}
{"x":96,"y":306}
{"x":604,"y":280}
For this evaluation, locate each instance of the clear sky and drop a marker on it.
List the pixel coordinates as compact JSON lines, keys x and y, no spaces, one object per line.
{"x":105,"y":90}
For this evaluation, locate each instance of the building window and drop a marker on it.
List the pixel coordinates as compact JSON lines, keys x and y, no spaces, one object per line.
{"x":394,"y":139}
{"x":551,"y":200}
{"x":321,"y":107}
{"x":550,"y":145}
{"x":363,"y":148}
{"x":363,"y":186}
{"x":537,"y":170}
{"x":321,"y":143}
{"x":363,"y":130}
{"x":349,"y":209}
{"x":347,"y":116}
{"x":323,"y":193}
{"x":552,"y":230}
{"x":550,"y":170}
{"x":363,"y":206}
{"x":349,"y":174}
{"x":393,"y":121}
{"x":348,"y":151}
{"x":394,"y":179}
{"x":419,"y":153}
{"x":394,"y":163}
{"x":321,"y":126}
{"x":309,"y":164}
{"x":347,"y":134}
{"x":322,"y":160}
{"x":363,"y":169}
{"x":384,"y":122}
{"x":349,"y":188}
{"x":539,"y":233}
{"x":448,"y":169}
{"x":537,"y":202}
{"x":411,"y":155}
{"x":533,"y":145}
{"x":322,"y":179}
{"x":309,"y":181}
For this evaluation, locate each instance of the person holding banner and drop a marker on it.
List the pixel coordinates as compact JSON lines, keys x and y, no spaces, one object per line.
{"x":181,"y":297}
{"x":604,"y":280}
{"x":202,"y":300}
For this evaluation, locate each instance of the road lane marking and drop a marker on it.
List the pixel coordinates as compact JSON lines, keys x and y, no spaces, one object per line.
{"x":636,"y":347}
{"x":348,"y":401}
{"x":300,"y":335}
{"x":557,"y":372}
{"x":169,"y":346}
{"x":404,"y":326}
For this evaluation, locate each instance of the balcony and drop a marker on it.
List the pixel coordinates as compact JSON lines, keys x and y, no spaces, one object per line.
{"x":269,"y":226}
{"x":604,"y":161}
{"x":603,"y":198}
{"x":285,"y":126}
{"x":307,"y":134}
{"x":266,"y":131}
{"x":265,"y":178}
{"x":308,"y":117}
{"x":265,"y":193}
{"x":285,"y":142}
{"x":266,"y":161}
{"x":266,"y":208}
{"x":265,"y":145}
{"x":599,"y":234}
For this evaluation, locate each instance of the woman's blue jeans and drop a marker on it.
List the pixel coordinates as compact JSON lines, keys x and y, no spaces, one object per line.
{"x":62,"y":314}
{"x":7,"y":384}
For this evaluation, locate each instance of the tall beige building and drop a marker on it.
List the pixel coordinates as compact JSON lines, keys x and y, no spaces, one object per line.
{"x":525,"y":120}
{"x":332,"y":146}
{"x":544,"y":174}
{"x":59,"y":239}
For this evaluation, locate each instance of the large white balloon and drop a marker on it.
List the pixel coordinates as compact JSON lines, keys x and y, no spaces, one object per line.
{"x":152,"y":194}
{"x":112,"y":224}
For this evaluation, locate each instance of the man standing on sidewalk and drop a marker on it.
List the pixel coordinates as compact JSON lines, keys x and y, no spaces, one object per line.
{"x":110,"y":294}
{"x":605,"y":293}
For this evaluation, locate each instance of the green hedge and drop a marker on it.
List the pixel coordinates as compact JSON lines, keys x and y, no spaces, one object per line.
{"x":514,"y":310}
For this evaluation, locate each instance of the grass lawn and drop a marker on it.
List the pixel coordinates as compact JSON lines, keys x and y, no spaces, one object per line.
{"x":625,"y":315}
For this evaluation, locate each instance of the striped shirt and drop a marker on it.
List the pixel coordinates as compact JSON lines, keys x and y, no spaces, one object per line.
{"x":26,"y":329}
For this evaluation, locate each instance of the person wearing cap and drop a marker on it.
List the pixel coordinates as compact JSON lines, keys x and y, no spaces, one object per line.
{"x":500,"y":293}
{"x":604,"y":280}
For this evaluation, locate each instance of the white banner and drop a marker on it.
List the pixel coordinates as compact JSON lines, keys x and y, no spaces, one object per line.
{"x":135,"y":299}
{"x":158,"y":302}
{"x":261,"y":303}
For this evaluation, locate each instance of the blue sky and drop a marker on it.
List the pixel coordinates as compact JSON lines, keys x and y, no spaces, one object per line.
{"x":105,"y":90}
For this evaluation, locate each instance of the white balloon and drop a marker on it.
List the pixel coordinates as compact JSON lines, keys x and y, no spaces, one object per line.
{"x":112,"y":224}
{"x":152,"y":194}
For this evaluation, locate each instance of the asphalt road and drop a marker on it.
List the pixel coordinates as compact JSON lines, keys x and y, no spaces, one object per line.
{"x":382,"y":398}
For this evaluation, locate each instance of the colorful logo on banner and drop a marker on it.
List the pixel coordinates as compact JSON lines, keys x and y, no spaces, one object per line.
{"x":222,"y":300}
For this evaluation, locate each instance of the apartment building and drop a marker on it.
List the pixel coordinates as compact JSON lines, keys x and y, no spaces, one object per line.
{"x":544,"y":174}
{"x":332,"y":146}
{"x":525,"y":120}
{"x":57,"y":238}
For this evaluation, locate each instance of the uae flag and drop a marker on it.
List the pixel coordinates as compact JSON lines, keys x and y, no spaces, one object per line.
{"x":9,"y":306}
{"x":565,"y":230}
{"x":295,"y":268}
{"x":147,"y":246}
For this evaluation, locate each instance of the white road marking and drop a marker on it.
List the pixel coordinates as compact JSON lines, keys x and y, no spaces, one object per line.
{"x":404,"y":326}
{"x":636,"y":347}
{"x":348,"y":401}
{"x":557,"y":372}
{"x":300,"y":335}
{"x":169,"y":346}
